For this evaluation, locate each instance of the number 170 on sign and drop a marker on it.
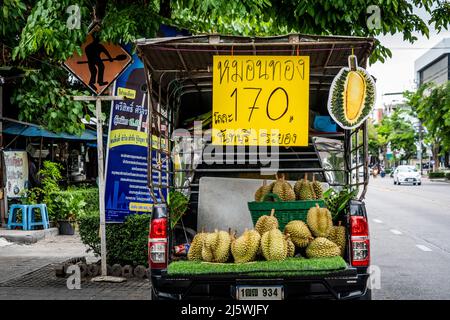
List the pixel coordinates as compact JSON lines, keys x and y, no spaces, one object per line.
{"x":260,"y":100}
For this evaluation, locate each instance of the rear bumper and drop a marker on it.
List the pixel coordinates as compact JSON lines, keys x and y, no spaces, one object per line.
{"x":409,"y":180}
{"x":328,"y":287}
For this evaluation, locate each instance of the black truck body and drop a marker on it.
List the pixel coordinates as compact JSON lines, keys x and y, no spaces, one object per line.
{"x":179,"y":77}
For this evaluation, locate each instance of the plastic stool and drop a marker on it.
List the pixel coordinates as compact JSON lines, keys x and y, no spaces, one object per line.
{"x":44,"y":216}
{"x":12,"y":218}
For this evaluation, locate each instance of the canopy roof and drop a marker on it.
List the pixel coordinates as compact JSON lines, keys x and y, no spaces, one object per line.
{"x":189,"y":59}
{"x":31,"y":130}
{"x":195,"y":53}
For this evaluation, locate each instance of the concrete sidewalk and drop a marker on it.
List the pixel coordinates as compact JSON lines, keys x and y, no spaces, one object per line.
{"x":27,"y":236}
{"x":28,"y":272}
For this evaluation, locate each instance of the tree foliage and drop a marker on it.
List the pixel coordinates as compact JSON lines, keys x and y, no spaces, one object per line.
{"x":398,"y":131}
{"x":431,"y":105}
{"x":35,"y":33}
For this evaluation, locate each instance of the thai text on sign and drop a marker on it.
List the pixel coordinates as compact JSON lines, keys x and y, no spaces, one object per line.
{"x":260,"y":100}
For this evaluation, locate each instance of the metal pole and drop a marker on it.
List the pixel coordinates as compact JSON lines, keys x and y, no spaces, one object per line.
{"x":101,"y":184}
{"x":420,"y":147}
{"x":101,"y":175}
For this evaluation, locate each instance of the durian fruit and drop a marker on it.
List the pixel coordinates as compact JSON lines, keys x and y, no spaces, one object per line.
{"x":216,"y":247}
{"x":290,"y":246}
{"x":266,"y":223}
{"x":283,"y":189}
{"x":322,"y":248}
{"x":195,"y":250}
{"x":317,"y":187}
{"x":245,"y":248}
{"x":274,"y":245}
{"x":338,"y":235}
{"x":299,"y":233}
{"x":297,"y":187}
{"x":352,"y":95}
{"x":305,"y":191}
{"x":263,"y":191}
{"x":319,"y":221}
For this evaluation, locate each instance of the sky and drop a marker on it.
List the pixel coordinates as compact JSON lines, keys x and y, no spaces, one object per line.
{"x":397,"y":73}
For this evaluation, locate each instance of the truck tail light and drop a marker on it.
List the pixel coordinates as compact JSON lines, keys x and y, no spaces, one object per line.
{"x":157,"y":244}
{"x":360,"y":243}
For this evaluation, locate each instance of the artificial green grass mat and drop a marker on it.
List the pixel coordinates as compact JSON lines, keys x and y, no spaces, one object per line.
{"x":288,"y":267}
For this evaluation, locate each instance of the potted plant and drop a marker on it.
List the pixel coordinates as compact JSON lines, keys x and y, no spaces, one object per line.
{"x":68,"y":209}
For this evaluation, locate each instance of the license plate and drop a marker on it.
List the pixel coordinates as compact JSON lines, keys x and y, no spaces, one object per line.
{"x":259,"y":293}
{"x":409,"y":179}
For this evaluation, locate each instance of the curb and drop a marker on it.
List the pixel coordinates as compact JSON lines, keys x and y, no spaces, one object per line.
{"x":31,"y":238}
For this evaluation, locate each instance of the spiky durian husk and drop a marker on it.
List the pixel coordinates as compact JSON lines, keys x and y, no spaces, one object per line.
{"x":274,"y":245}
{"x":263,"y":191}
{"x":290,"y":247}
{"x":216,"y":247}
{"x":319,"y":221}
{"x":245,"y":248}
{"x":299,"y":233}
{"x":318,"y":190}
{"x":322,"y":248}
{"x":195,"y":250}
{"x":284,"y":190}
{"x":306,"y":192}
{"x":338,"y":235}
{"x":266,"y":223}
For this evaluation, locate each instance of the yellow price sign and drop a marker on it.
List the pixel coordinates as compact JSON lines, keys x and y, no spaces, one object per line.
{"x":260,"y":100}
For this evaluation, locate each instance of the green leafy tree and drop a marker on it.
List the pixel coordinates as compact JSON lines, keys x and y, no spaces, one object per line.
{"x":35,"y":35}
{"x":431,"y":105}
{"x":398,"y":132}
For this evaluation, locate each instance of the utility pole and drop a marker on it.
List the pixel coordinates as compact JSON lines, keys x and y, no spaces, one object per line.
{"x":101,"y":176}
{"x":420,"y":146}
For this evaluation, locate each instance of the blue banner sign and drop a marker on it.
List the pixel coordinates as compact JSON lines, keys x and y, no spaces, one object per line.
{"x":126,"y":190}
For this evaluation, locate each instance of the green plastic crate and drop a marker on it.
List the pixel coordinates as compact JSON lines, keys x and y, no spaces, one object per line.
{"x":285,"y":211}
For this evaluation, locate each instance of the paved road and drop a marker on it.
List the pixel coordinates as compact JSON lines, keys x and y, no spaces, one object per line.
{"x":410,"y":238}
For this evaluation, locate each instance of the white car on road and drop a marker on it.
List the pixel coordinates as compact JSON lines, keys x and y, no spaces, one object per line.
{"x":407,"y":174}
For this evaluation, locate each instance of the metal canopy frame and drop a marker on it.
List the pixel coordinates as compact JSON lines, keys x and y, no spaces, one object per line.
{"x":182,"y":65}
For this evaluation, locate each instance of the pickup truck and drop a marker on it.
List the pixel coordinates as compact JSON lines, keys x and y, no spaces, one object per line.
{"x":180,"y":80}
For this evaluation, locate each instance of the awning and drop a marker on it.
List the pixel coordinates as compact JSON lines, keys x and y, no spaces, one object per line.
{"x":31,"y":130}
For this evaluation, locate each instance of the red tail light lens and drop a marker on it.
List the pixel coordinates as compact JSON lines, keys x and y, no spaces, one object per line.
{"x":158,"y":228}
{"x":157,"y":244}
{"x":360,"y":243}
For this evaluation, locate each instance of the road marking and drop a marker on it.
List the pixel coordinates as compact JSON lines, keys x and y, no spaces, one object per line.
{"x":377,"y":221}
{"x":423,"y":248}
{"x":396,"y":232}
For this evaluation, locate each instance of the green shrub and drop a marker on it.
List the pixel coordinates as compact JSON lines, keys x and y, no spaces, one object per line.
{"x":72,"y":203}
{"x":436,"y":175}
{"x":447,"y":175}
{"x":126,"y":242}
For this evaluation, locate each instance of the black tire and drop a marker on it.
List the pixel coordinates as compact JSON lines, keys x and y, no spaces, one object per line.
{"x":367,"y":295}
{"x":399,"y":183}
{"x":108,"y":270}
{"x":153,"y":294}
{"x":420,"y":183}
{"x":116,"y":270}
{"x":93,"y":270}
{"x":127,"y":271}
{"x":83,"y":269}
{"x":395,"y":182}
{"x":140,"y":272}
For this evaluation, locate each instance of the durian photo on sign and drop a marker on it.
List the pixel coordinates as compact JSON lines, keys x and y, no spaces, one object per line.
{"x":352,"y":95}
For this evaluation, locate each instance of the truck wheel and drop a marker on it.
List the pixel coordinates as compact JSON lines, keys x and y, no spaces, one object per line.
{"x":367,"y":295}
{"x":153,"y":294}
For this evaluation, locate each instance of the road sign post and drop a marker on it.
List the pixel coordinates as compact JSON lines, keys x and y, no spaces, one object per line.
{"x":101,"y":176}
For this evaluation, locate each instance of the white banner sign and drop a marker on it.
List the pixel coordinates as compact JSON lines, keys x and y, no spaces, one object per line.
{"x":16,"y":172}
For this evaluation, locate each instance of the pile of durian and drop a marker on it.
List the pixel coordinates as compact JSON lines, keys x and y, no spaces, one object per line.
{"x":317,"y":238}
{"x":302,"y":190}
